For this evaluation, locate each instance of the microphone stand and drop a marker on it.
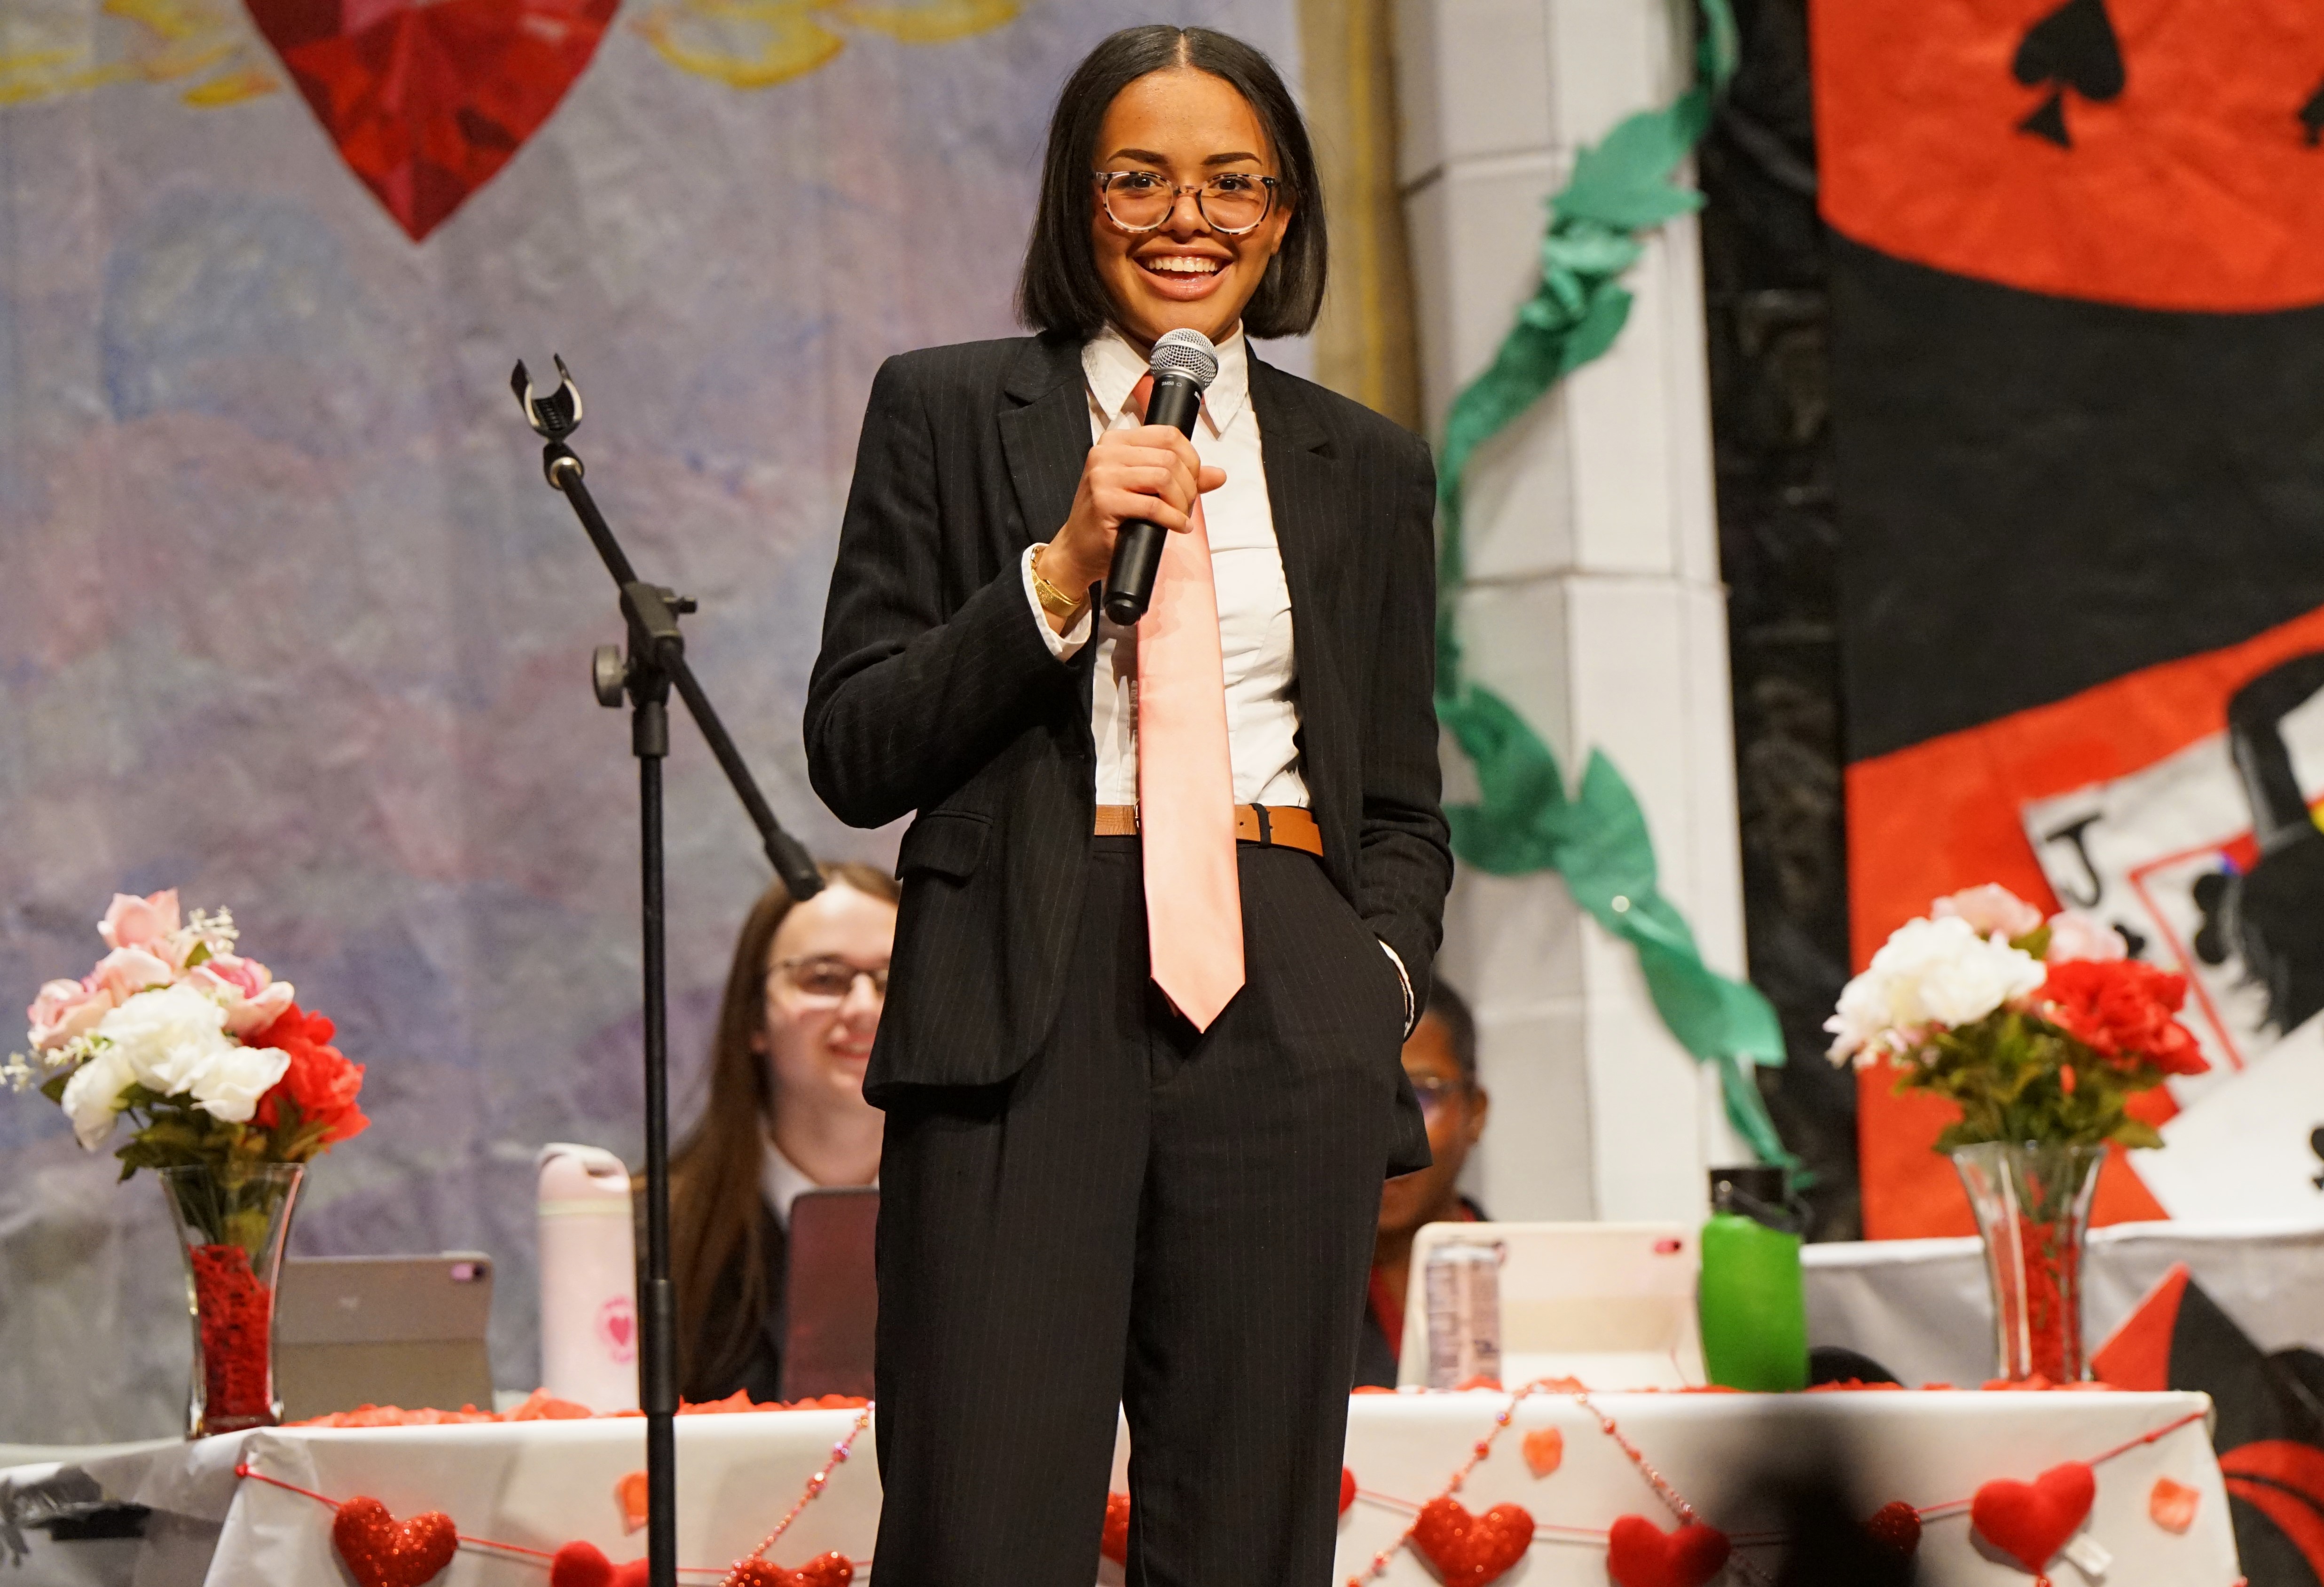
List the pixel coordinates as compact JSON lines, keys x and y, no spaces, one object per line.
{"x":654,"y":662}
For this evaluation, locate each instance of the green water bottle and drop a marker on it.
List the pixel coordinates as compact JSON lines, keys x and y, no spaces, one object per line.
{"x":1751,"y":1301}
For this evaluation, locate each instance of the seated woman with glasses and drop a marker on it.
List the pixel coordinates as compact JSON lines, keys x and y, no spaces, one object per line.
{"x":1439,"y":1058}
{"x":785,"y":1113}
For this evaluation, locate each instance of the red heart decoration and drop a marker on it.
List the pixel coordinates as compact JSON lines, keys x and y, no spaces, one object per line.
{"x":384,"y":1551}
{"x":1468,"y":1550}
{"x":1897,"y":1527}
{"x":1544,"y":1450}
{"x":2172,"y":1504}
{"x":631,"y":1493}
{"x":584,"y":1564}
{"x":2031,"y":1521}
{"x":825,"y":1569}
{"x":1114,"y":1541}
{"x":1346,"y":1489}
{"x":427,"y":101}
{"x":1639,"y":1554}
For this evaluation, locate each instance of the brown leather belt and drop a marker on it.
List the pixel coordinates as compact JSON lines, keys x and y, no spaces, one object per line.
{"x":1283,"y":826}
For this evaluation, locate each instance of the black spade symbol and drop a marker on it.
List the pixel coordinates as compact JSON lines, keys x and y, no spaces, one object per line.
{"x":2074,"y":47}
{"x":2312,"y":116}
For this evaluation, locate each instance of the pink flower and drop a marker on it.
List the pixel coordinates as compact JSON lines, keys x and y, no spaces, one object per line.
{"x":1991,"y":911}
{"x":132,"y":922}
{"x":65,"y":1010}
{"x":128,"y":970}
{"x":253,"y":998}
{"x":2076,"y":935}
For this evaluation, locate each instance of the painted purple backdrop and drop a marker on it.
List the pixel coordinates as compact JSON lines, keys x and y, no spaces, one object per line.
{"x":288,"y":620}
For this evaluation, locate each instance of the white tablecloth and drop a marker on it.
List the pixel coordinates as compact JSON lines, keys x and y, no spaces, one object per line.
{"x":1921,"y":1308}
{"x":545,"y":1483}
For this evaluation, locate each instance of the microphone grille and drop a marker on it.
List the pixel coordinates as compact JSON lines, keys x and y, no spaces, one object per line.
{"x":1187,"y":352}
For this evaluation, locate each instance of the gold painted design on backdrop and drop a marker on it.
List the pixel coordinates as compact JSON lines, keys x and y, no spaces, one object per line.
{"x":1365,"y":343}
{"x":52,"y":47}
{"x":758,"y":43}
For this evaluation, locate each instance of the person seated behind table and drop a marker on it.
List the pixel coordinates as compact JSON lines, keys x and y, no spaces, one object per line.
{"x":785,"y":1113}
{"x":1440,"y":1056}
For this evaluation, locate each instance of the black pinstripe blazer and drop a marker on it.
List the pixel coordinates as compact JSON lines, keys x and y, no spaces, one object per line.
{"x":935,"y":693}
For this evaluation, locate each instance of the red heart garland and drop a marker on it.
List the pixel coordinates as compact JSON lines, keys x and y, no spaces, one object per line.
{"x":2031,"y":1521}
{"x":384,"y":1551}
{"x":1470,"y":1550}
{"x":1346,"y":1489}
{"x":1639,"y":1554}
{"x":584,"y":1564}
{"x":1897,"y":1527}
{"x":1114,"y":1541}
{"x":825,"y":1569}
{"x":427,"y":102}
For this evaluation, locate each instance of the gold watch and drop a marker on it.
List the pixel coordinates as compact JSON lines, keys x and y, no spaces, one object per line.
{"x":1053,"y":599}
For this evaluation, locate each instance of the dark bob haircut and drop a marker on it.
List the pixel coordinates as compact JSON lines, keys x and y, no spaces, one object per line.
{"x":1060,"y":290}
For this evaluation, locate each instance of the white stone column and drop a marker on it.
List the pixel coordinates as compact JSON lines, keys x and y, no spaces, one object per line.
{"x":1594,"y":602}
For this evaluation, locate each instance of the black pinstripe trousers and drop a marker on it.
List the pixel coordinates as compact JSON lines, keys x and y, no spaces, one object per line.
{"x":1177,"y":1223}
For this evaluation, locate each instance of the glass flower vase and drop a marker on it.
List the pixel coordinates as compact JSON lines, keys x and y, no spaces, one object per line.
{"x":2033,"y":1205}
{"x":232,"y":1224}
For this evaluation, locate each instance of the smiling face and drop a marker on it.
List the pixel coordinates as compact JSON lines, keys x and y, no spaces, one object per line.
{"x":1185,"y":126}
{"x":816,"y":1045}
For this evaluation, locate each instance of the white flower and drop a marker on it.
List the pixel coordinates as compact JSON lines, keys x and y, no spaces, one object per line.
{"x":93,"y":1096}
{"x":174,"y":1042}
{"x":2076,"y":935}
{"x":1937,"y":972}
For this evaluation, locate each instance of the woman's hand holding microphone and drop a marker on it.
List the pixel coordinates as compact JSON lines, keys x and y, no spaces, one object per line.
{"x":1151,"y":473}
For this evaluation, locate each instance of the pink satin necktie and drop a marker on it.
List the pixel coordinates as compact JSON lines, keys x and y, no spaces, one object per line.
{"x":1185,"y":782}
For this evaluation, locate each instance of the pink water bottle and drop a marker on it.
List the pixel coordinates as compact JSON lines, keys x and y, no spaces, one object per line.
{"x":588,"y":1278}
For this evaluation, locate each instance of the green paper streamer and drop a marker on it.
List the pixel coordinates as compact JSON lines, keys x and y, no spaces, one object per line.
{"x":1523,"y":821}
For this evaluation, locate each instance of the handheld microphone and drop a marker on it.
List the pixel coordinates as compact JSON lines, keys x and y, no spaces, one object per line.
{"x":1184,"y":364}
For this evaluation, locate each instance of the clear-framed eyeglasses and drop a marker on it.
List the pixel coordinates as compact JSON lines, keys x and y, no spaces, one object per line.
{"x":1232,"y":202}
{"x":825,"y":982}
{"x":1435,"y":1093}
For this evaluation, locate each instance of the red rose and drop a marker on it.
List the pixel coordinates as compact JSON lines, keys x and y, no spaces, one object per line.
{"x":2123,"y":1012}
{"x":320,"y":1082}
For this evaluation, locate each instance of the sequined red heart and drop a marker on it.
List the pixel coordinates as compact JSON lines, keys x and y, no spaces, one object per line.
{"x":1639,"y":1554}
{"x":2031,"y":1521}
{"x":427,"y":101}
{"x":825,"y":1569}
{"x":1897,"y":1527}
{"x":584,"y":1564}
{"x":1346,"y":1489}
{"x":1114,"y":1541}
{"x":1470,"y":1550}
{"x":384,"y":1551}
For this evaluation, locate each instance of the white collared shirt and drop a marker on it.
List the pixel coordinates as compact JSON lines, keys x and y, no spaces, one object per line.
{"x":783,"y":1182}
{"x":1255,"y":637}
{"x":1255,"y":640}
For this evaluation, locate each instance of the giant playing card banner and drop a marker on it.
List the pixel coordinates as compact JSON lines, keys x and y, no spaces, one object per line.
{"x":288,"y":619}
{"x":2078,"y":265}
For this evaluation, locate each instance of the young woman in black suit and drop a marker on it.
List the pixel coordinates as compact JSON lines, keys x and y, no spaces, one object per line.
{"x":1089,"y":1198}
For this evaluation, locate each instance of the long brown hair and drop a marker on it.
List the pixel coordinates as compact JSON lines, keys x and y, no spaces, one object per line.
{"x":714,"y":1173}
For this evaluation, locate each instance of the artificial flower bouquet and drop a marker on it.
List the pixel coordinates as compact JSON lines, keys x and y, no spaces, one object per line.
{"x":211,"y":1057}
{"x":2039,"y":1030}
